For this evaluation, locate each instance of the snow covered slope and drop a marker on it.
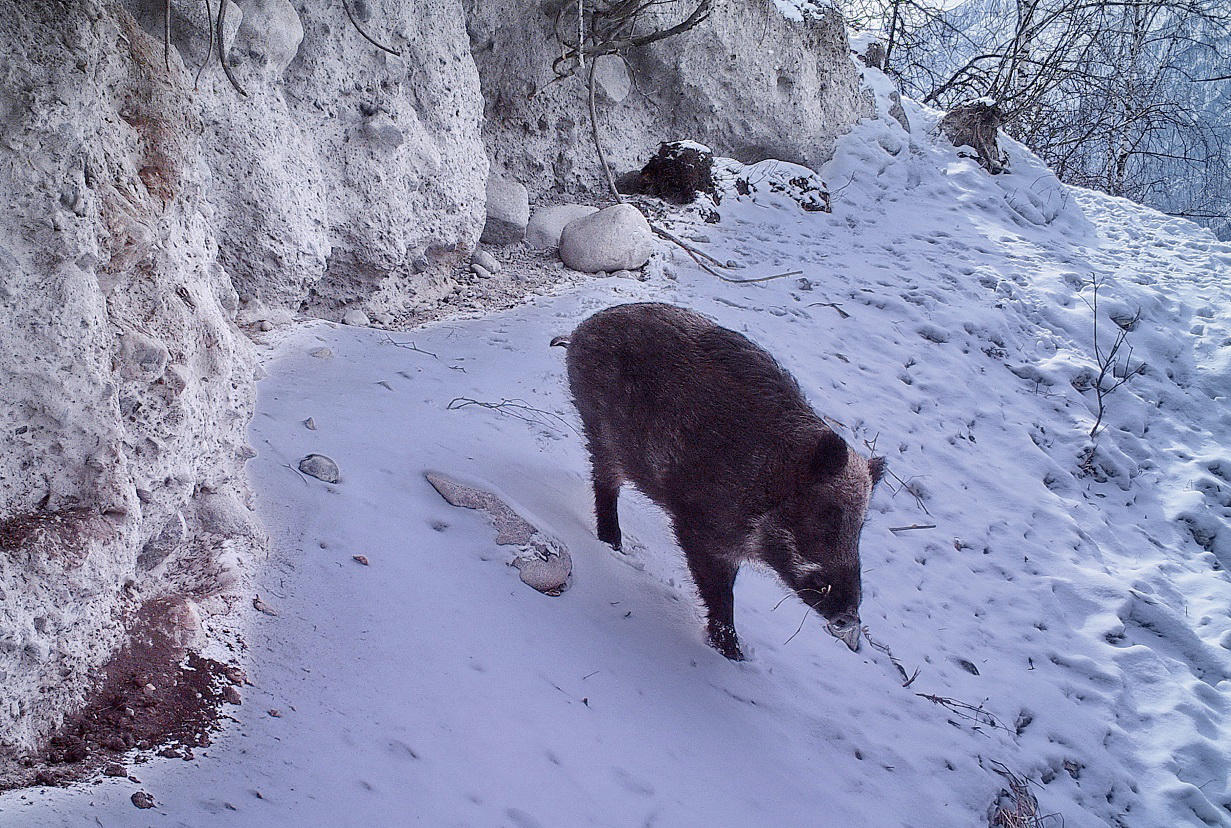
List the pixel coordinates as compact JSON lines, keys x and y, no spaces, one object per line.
{"x":1067,"y":614}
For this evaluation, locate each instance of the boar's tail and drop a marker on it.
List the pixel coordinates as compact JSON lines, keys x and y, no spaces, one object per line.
{"x":561,"y":341}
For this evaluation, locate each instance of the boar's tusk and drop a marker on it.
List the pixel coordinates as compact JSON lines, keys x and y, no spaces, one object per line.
{"x":845,"y":630}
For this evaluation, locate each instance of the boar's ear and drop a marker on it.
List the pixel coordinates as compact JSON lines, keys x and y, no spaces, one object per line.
{"x":876,"y":468}
{"x":829,"y":457}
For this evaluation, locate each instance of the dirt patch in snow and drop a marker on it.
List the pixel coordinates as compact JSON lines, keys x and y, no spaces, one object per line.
{"x":154,"y":698}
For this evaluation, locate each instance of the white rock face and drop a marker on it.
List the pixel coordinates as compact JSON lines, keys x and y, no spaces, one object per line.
{"x":508,"y":210}
{"x":141,"y":209}
{"x":547,"y":223}
{"x":615,"y":238}
{"x":154,"y":211}
{"x":747,"y":82}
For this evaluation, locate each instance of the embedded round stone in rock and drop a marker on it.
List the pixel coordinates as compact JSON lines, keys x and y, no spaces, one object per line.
{"x":616,"y":238}
{"x":547,"y":223}
{"x":508,"y":211}
{"x":356,"y":317}
{"x":320,"y":467}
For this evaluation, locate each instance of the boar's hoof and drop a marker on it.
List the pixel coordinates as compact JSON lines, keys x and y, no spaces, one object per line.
{"x":722,"y":639}
{"x":846,"y":629}
{"x":611,"y":537}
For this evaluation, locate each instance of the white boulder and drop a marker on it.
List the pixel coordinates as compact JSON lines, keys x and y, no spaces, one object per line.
{"x":547,"y":223}
{"x":615,"y":238}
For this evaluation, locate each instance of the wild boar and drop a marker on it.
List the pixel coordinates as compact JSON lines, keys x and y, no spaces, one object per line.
{"x":715,"y":431}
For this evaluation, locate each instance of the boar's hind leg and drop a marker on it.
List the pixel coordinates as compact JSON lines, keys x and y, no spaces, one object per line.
{"x":715,"y":579}
{"x":606,"y":495}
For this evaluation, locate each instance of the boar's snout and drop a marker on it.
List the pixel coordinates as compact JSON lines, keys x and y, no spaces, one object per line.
{"x":845,"y":627}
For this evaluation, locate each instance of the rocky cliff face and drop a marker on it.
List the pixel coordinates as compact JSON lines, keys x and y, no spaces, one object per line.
{"x":149,"y":214}
{"x":154,"y":213}
{"x":747,"y":82}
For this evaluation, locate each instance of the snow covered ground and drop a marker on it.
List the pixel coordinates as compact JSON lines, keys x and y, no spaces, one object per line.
{"x":1067,"y":614}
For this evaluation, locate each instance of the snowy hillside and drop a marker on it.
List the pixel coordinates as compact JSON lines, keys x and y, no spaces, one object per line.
{"x":1066,"y":613}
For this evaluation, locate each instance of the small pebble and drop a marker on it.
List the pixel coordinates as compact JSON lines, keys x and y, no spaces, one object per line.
{"x":276,"y":713}
{"x":261,"y":606}
{"x":480,"y":271}
{"x":363,"y":559}
{"x":321,"y":353}
{"x":231,"y":694}
{"x":263,"y":325}
{"x":356,"y":318}
{"x":310,"y":424}
{"x":486,"y":261}
{"x":143,"y":800}
{"x":115,"y":770}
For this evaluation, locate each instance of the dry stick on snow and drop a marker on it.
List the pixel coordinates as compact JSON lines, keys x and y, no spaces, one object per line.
{"x":699,"y":256}
{"x":518,"y":409}
{"x":905,"y":486}
{"x":966,"y":711}
{"x":907,"y":680}
{"x":896,"y":529}
{"x":222,"y":52}
{"x":1109,"y":362}
{"x":1022,"y":810}
{"x":833,"y":305}
{"x":410,"y":346}
{"x":298,"y":472}
{"x":366,"y":36}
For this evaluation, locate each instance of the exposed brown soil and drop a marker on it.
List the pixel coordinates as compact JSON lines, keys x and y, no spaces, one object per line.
{"x":153,"y":699}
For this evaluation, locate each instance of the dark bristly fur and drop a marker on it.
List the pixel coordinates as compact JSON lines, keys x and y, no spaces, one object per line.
{"x":712,"y":429}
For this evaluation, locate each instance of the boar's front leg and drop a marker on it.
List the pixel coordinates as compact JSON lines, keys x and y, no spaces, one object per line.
{"x":715,"y":578}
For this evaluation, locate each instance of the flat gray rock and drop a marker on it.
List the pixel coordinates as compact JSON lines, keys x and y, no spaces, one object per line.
{"x":320,"y":467}
{"x":543,"y":562}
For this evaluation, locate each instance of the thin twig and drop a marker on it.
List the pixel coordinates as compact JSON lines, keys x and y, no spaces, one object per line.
{"x":297,"y":471}
{"x":908,"y":680}
{"x":222,"y":54}
{"x":410,"y":346}
{"x":833,"y":305}
{"x":367,"y":36}
{"x":166,"y":36}
{"x":518,"y":409}
{"x":598,"y":145}
{"x":687,"y":247}
{"x":786,"y":275}
{"x":798,"y":593}
{"x":209,"y":49}
{"x":966,"y":711}
{"x":797,"y":629}
{"x":896,"y":529}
